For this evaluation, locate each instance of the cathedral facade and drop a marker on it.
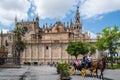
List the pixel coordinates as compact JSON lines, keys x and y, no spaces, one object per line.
{"x":49,"y":43}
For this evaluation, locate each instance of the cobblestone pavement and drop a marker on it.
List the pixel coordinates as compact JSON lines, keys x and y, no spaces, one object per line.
{"x":48,"y":73}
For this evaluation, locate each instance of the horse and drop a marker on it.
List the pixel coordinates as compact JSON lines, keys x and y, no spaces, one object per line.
{"x":100,"y":65}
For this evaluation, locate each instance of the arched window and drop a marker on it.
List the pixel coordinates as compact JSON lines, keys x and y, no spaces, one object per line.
{"x":6,"y":43}
{"x":77,"y":27}
{"x":47,"y":47}
{"x":9,"y":37}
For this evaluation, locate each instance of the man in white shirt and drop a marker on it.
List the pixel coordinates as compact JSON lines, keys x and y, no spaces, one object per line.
{"x":89,"y":60}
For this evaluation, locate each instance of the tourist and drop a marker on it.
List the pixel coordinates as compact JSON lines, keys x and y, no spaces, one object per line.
{"x":77,"y":63}
{"x":89,"y":60}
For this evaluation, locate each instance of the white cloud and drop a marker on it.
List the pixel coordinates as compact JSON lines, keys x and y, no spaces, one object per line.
{"x":53,"y":8}
{"x":4,"y":31}
{"x":94,"y":8}
{"x":100,"y":17}
{"x":11,"y":8}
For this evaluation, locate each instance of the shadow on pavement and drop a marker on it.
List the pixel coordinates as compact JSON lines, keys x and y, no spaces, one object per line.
{"x":89,"y":75}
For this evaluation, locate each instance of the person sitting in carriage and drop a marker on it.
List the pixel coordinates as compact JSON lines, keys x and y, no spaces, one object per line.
{"x":77,"y":63}
{"x":89,"y":60}
{"x":84,"y":61}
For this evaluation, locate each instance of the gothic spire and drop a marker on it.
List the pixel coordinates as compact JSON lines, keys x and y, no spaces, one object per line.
{"x":15,"y":19}
{"x":71,"y":23}
{"x":64,"y":24}
{"x":67,"y":24}
{"x":51,"y":25}
{"x":37,"y":17}
{"x":43,"y":26}
{"x":77,"y":17}
{"x":46,"y":26}
{"x":46,"y":29}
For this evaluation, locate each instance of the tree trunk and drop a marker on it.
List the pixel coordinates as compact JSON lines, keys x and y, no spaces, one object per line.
{"x":18,"y":58}
{"x":15,"y":57}
{"x":112,"y":62}
{"x":76,"y":57}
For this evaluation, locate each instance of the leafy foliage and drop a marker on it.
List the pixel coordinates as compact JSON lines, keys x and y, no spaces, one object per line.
{"x":76,"y":48}
{"x":92,"y":49}
{"x":63,"y":70}
{"x":18,"y":33}
{"x":19,"y":45}
{"x":108,"y":39}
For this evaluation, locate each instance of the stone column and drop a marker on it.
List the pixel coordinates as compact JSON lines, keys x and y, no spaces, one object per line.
{"x":31,"y":52}
{"x":25,"y":55}
{"x":36,"y":56}
{"x":61,"y":51}
{"x":38,"y":52}
{"x":43,"y":53}
{"x":50,"y":52}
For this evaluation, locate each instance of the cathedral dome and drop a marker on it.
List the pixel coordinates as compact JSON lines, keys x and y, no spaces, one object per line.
{"x":58,"y":27}
{"x":61,"y":29}
{"x":54,"y":29}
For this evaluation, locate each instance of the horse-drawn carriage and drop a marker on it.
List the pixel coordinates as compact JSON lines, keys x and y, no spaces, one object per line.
{"x":82,"y":68}
{"x":93,"y":68}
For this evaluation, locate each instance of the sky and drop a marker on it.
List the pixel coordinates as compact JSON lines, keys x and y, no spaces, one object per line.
{"x":95,"y":15}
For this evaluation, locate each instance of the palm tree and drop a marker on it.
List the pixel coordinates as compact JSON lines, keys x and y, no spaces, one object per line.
{"x":19,"y":44}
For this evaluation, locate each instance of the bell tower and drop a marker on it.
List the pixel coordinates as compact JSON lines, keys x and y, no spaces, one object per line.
{"x":77,"y":26}
{"x":77,"y":16}
{"x":37,"y":20}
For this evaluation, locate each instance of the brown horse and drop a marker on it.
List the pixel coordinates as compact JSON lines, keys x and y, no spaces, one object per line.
{"x":101,"y":64}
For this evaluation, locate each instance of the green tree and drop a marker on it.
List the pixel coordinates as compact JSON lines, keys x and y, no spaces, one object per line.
{"x":108,"y":39}
{"x":100,"y":45}
{"x":19,"y":44}
{"x":76,"y":48}
{"x":92,"y":49}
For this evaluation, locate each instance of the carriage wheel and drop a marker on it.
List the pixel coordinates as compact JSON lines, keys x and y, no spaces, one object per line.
{"x":72,"y":70}
{"x":83,"y":72}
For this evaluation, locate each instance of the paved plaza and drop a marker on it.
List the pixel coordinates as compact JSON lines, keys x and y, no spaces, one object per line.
{"x":48,"y":73}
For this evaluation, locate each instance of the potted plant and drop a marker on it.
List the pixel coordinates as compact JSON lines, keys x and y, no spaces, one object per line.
{"x":63,"y":70}
{"x":59,"y":66}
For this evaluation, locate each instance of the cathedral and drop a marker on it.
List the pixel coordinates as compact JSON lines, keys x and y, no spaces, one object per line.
{"x":48,"y":43}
